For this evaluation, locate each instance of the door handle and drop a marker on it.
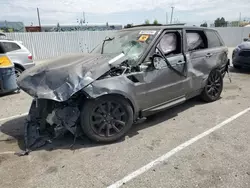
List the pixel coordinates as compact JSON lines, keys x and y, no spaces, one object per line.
{"x":180,"y":62}
{"x":209,"y":55}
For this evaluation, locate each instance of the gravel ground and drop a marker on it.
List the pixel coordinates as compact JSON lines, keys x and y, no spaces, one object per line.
{"x":220,"y":159}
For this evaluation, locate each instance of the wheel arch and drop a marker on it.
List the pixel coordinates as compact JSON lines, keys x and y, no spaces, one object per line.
{"x":19,"y":66}
{"x":89,"y":92}
{"x":204,"y":82}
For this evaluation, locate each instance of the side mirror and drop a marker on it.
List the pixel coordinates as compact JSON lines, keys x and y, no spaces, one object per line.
{"x":245,"y":39}
{"x":158,"y":61}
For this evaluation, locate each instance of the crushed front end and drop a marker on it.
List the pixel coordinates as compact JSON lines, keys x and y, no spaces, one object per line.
{"x":49,"y":119}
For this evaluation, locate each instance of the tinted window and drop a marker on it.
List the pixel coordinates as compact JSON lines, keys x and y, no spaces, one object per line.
{"x":196,"y":40}
{"x":213,"y":39}
{"x":10,"y":46}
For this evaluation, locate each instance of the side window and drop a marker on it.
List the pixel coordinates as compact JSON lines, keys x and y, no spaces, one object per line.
{"x":213,"y":39}
{"x":170,"y":44}
{"x":10,"y":46}
{"x":196,"y":40}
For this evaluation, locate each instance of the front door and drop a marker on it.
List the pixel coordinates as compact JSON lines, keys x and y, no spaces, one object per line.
{"x":166,"y":82}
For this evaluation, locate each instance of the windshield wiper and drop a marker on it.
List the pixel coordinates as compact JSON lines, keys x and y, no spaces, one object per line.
{"x":105,"y":40}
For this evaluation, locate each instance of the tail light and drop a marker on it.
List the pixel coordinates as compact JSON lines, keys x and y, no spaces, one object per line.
{"x":5,"y":61}
{"x":30,"y":57}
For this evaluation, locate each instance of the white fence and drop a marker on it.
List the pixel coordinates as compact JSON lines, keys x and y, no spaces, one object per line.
{"x":46,"y":45}
{"x":233,"y":36}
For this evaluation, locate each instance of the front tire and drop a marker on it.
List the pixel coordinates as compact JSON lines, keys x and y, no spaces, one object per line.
{"x":214,"y":87}
{"x":106,"y":119}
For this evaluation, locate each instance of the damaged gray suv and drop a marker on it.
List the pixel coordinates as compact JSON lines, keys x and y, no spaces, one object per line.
{"x":131,"y":75}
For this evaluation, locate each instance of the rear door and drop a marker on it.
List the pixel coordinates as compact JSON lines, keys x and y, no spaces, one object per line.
{"x":204,"y":51}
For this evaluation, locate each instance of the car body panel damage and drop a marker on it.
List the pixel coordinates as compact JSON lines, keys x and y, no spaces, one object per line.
{"x":49,"y":119}
{"x":59,"y":78}
{"x":131,"y":75}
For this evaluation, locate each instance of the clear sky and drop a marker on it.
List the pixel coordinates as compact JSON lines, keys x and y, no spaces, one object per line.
{"x":122,"y":11}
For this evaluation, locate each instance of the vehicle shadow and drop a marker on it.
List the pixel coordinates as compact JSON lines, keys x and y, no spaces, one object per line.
{"x":240,"y":71}
{"x":15,"y":129}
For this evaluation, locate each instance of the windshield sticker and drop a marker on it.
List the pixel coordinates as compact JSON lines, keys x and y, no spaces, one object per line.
{"x":149,"y":32}
{"x":143,"y":38}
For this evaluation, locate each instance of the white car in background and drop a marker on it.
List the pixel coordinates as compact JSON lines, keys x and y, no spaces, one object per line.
{"x":19,"y":55}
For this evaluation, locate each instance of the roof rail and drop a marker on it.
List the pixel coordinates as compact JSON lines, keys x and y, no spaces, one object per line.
{"x":145,"y":25}
{"x":175,"y":24}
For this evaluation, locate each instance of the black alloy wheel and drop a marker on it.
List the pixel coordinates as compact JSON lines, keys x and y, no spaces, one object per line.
{"x":106,"y":119}
{"x":214,"y":87}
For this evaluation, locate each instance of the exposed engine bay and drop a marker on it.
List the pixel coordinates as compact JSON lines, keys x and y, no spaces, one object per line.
{"x":124,"y":68}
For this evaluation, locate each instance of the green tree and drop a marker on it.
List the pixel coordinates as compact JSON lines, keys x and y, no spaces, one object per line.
{"x":147,"y":22}
{"x":58,"y":28}
{"x":204,"y":24}
{"x":220,"y":22}
{"x":128,"y":26}
{"x":155,"y":22}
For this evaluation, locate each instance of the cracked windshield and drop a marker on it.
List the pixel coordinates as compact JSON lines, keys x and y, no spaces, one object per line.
{"x":124,"y":93}
{"x":131,"y":43}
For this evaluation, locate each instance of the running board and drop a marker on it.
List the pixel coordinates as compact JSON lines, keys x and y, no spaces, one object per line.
{"x":162,"y":107}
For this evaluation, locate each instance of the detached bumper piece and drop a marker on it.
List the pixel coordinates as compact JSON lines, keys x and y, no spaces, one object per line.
{"x":48,"y":120}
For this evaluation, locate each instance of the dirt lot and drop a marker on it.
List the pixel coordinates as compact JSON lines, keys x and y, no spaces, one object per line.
{"x":218,"y":159}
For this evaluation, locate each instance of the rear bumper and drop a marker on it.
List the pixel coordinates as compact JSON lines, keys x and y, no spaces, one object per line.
{"x":224,"y":68}
{"x":28,"y":65}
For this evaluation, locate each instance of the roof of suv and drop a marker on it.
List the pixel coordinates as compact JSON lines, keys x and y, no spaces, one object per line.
{"x":162,"y":27}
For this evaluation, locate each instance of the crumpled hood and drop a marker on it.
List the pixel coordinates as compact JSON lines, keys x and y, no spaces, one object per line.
{"x":244,"y":45}
{"x":59,"y":78}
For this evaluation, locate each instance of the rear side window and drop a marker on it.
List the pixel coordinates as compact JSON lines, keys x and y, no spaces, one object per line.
{"x":213,"y":39}
{"x":196,"y":40}
{"x":10,"y":46}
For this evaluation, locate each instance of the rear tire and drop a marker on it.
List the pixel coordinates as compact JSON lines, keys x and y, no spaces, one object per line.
{"x":213,"y":88}
{"x":106,"y":119}
{"x":18,"y":71}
